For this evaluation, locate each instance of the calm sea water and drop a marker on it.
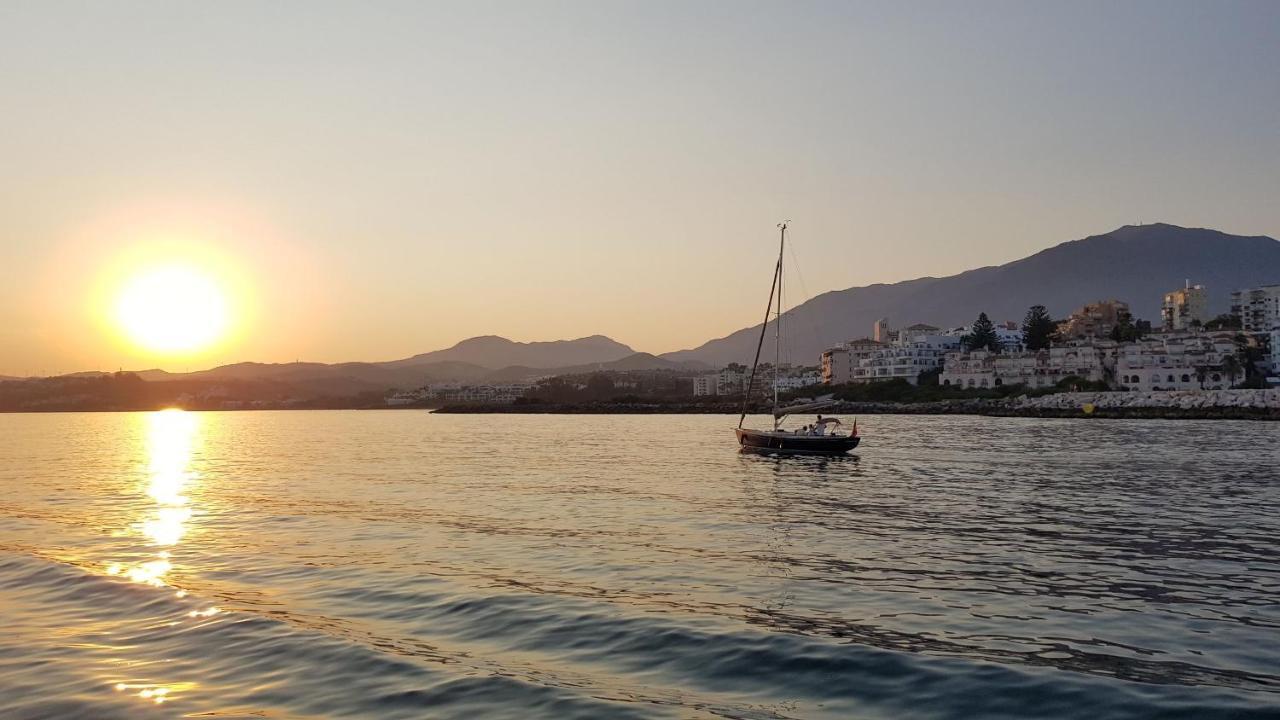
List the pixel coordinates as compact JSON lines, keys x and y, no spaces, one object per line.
{"x":406,"y":565}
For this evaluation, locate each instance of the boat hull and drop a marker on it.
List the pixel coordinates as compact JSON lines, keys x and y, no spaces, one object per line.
{"x":785,"y":443}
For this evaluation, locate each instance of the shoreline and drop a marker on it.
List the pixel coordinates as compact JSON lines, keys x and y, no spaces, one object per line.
{"x":1173,"y":405}
{"x":1262,"y":414}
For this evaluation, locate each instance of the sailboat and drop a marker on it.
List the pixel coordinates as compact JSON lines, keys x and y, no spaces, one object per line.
{"x":809,"y":441}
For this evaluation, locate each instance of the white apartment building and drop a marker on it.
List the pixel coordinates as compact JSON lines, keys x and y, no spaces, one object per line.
{"x":497,"y":394}
{"x":1275,"y":352}
{"x":1010,"y":337}
{"x":1258,"y":308}
{"x":870,"y":361}
{"x":1185,"y":309}
{"x":405,"y":397}
{"x":795,"y":382}
{"x":1042,"y":369}
{"x":725,"y":382}
{"x":1172,"y":361}
{"x":1175,"y":362}
{"x":705,"y":385}
{"x":838,"y":362}
{"x":731,"y":382}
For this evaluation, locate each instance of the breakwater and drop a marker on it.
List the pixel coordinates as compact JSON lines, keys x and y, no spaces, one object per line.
{"x":1173,"y":404}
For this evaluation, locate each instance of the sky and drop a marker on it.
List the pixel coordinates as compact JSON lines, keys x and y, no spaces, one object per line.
{"x":368,"y":181}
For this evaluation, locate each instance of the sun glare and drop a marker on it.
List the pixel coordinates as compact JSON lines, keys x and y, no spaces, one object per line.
{"x":172,"y":309}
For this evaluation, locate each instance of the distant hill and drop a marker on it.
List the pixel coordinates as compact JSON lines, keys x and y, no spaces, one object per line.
{"x":1137,"y":264}
{"x":494,"y":352}
{"x":490,"y":361}
{"x":337,"y":379}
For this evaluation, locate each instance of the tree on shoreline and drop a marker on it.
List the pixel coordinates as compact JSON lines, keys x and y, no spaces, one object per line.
{"x":1037,"y":329}
{"x":1224,"y":322}
{"x":1125,"y":329}
{"x":982,"y":336}
{"x":1231,"y":366}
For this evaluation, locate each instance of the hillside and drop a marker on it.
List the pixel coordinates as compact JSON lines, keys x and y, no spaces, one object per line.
{"x":490,"y":361}
{"x":1137,"y":264}
{"x":490,"y":351}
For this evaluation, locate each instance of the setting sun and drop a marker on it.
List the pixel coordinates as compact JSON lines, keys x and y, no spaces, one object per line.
{"x":172,"y":309}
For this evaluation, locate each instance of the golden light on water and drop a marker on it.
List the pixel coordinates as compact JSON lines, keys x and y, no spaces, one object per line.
{"x":170,"y":436}
{"x":170,"y":440}
{"x":170,"y":444}
{"x":157,"y":694}
{"x":173,"y":308}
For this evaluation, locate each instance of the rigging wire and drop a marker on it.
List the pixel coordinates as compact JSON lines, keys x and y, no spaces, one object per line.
{"x":809,"y":324}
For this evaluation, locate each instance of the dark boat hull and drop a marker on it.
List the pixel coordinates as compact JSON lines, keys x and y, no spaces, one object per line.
{"x":783,"y":443}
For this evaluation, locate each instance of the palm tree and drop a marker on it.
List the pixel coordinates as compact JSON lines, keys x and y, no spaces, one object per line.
{"x":1231,"y":366}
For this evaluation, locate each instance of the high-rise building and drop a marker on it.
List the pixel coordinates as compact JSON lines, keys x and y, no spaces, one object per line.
{"x":1258,"y":308}
{"x":880,"y":332}
{"x":1186,"y":308}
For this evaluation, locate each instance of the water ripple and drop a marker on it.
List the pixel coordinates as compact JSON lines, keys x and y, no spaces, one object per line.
{"x":303,"y":565}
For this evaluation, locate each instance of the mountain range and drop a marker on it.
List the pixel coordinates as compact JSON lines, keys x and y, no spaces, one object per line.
{"x":1135,"y":263}
{"x":487,"y":359}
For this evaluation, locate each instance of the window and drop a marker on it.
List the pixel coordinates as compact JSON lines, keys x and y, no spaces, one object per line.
{"x":1170,"y":378}
{"x":1186,"y":378}
{"x":999,"y":382}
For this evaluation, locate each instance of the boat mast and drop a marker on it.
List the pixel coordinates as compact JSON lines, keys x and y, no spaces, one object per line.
{"x":751,"y":382}
{"x":777,"y":326}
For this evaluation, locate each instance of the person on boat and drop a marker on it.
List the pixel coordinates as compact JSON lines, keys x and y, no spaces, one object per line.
{"x":820,"y":428}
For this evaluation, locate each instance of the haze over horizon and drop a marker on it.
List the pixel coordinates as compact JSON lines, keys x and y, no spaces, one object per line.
{"x":371,"y":183}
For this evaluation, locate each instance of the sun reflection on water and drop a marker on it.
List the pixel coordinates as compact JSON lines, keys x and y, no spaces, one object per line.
{"x":158,"y":694}
{"x":171,"y":437}
{"x":170,"y":441}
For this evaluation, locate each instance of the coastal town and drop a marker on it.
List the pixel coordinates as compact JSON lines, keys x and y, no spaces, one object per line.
{"x":1100,"y":355}
{"x":1100,"y":346}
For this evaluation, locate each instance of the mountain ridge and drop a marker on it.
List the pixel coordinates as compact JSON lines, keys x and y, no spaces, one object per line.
{"x":352,"y":377}
{"x":1134,"y":263}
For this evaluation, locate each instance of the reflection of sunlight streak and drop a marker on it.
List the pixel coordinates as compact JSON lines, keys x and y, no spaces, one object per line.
{"x":147,"y":573}
{"x":167,"y":527}
{"x":157,"y":694}
{"x":171,"y":435}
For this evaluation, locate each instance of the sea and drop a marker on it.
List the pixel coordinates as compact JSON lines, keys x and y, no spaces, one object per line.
{"x":403,"y":564}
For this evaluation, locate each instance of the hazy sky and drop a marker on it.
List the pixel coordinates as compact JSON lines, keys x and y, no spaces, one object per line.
{"x":378,"y":179}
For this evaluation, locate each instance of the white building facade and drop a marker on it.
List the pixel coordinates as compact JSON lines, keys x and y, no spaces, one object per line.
{"x":1043,"y":369}
{"x":863,"y":361}
{"x":1185,"y":309}
{"x":1010,"y":337}
{"x":1176,"y":362}
{"x":795,"y":382}
{"x":704,"y":385}
{"x":1258,"y":308}
{"x":726,"y":382}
